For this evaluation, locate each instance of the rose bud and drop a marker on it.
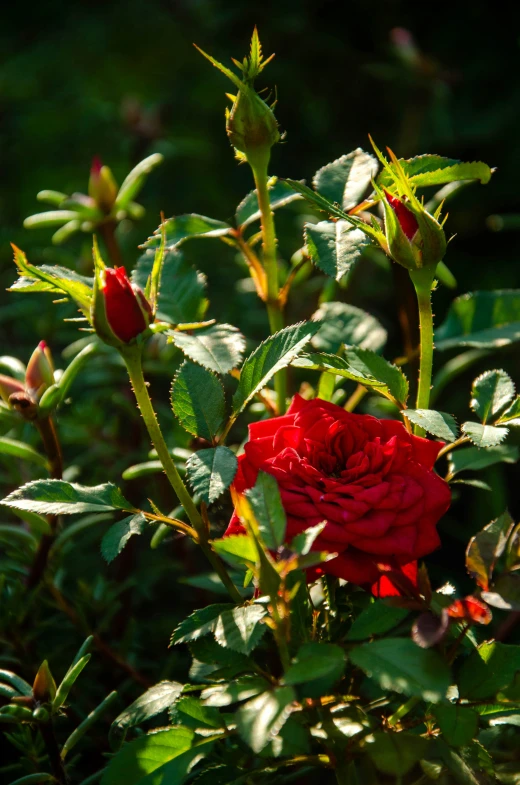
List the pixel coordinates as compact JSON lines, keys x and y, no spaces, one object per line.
{"x":414,"y":238}
{"x":471,"y":610}
{"x":121,"y":311}
{"x":251,"y":125}
{"x":371,"y":481}
{"x":102,"y":187}
{"x":39,"y":375}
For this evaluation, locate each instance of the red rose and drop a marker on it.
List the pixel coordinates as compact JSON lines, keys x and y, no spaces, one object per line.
{"x":370,"y":480}
{"x":406,"y":218}
{"x":128,"y":312}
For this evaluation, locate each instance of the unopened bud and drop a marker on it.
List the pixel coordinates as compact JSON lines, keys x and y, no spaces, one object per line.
{"x":121,"y":311}
{"x":44,"y":687}
{"x":9,"y":386}
{"x":102,"y":187}
{"x":251,"y":126}
{"x":39,"y":374}
{"x":414,"y":238}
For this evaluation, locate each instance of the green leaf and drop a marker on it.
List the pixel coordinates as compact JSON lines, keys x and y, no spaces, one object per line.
{"x":181,"y":288}
{"x":268,"y":510}
{"x":505,"y":593}
{"x":15,"y":681}
{"x":485,"y":320}
{"x":49,"y":218}
{"x":511,"y":415}
{"x":199,"y":623}
{"x":261,"y":718}
{"x":484,"y":435}
{"x":371,"y":364}
{"x":219,"y":347}
{"x":235,"y":692}
{"x":396,"y":753}
{"x":316,"y":661}
{"x":115,"y":539}
{"x":334,"y":246}
{"x":398,"y":664}
{"x":474,"y":459}
{"x":145,"y":755}
{"x":211,"y":471}
{"x":425,"y":170}
{"x":191,"y":713}
{"x":57,"y":393}
{"x":303,"y":542}
{"x":62,"y":693}
{"x":271,"y":356}
{"x":344,"y":324}
{"x":339,"y":366}
{"x":280,"y":194}
{"x":377,"y":619}
{"x":187,"y":227}
{"x":459,"y":724}
{"x":240,"y":628}
{"x":135,"y":180}
{"x":198,"y":400}
{"x":488,"y":670}
{"x":57,"y":497}
{"x":238,"y":549}
{"x":491,"y":392}
{"x":437,"y":423}
{"x":347,"y":179}
{"x":486,"y":547}
{"x":155,"y":700}
{"x":21,"y":450}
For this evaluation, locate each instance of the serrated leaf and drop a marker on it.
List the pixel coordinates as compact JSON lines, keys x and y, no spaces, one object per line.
{"x":235,"y":692}
{"x":57,"y":497}
{"x":280,"y":194}
{"x":268,"y":509}
{"x":485,"y":320}
{"x":458,"y":724}
{"x":240,"y":628}
{"x":198,"y":401}
{"x":437,"y":423}
{"x":115,"y":539}
{"x":377,"y":619}
{"x":344,"y":324}
{"x":491,"y":392}
{"x":154,"y":701}
{"x":398,"y":664}
{"x":187,"y":227}
{"x":191,"y":713}
{"x":259,"y":720}
{"x":151,"y":753}
{"x":211,"y":471}
{"x":181,"y":288}
{"x":512,"y":415}
{"x":339,"y":366}
{"x":218,"y":348}
{"x":316,"y":661}
{"x":486,"y":547}
{"x":425,"y":170}
{"x":237,"y":549}
{"x":489,"y":669}
{"x":371,"y":364}
{"x":334,"y":246}
{"x":484,"y":435}
{"x":303,"y":542}
{"x":396,"y":753}
{"x":347,"y":179}
{"x":199,"y":623}
{"x":271,"y":356}
{"x":474,"y":459}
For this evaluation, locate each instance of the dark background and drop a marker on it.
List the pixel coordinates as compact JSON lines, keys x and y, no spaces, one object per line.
{"x":122,"y":80}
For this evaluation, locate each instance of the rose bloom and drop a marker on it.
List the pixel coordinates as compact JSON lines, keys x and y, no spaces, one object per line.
{"x":370,"y":480}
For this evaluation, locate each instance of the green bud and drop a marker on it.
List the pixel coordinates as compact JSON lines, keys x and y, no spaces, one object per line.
{"x":102,"y":187}
{"x":44,"y":687}
{"x":39,"y":374}
{"x":40,"y":714}
{"x":251,"y":125}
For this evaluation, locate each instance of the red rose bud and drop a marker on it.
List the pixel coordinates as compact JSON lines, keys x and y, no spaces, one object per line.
{"x":471,"y":610}
{"x":9,"y":386}
{"x":39,"y":374}
{"x":406,"y":219}
{"x":128,"y":312}
{"x":102,"y":187}
{"x":371,"y":481}
{"x":413,"y":237}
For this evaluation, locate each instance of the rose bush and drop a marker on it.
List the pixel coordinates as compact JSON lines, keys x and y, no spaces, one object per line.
{"x":370,"y":480}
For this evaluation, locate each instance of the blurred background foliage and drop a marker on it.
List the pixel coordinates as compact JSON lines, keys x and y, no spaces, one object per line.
{"x":122,"y":80}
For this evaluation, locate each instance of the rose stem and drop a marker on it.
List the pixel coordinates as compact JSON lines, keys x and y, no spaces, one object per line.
{"x":422,"y":279}
{"x":52,"y":448}
{"x":274,"y":306}
{"x":108,"y":233}
{"x":132,"y":357}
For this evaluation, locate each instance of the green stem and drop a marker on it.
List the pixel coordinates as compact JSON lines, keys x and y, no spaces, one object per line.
{"x":274,"y":306}
{"x":422,"y":279}
{"x":403,"y":710}
{"x":132,"y":357}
